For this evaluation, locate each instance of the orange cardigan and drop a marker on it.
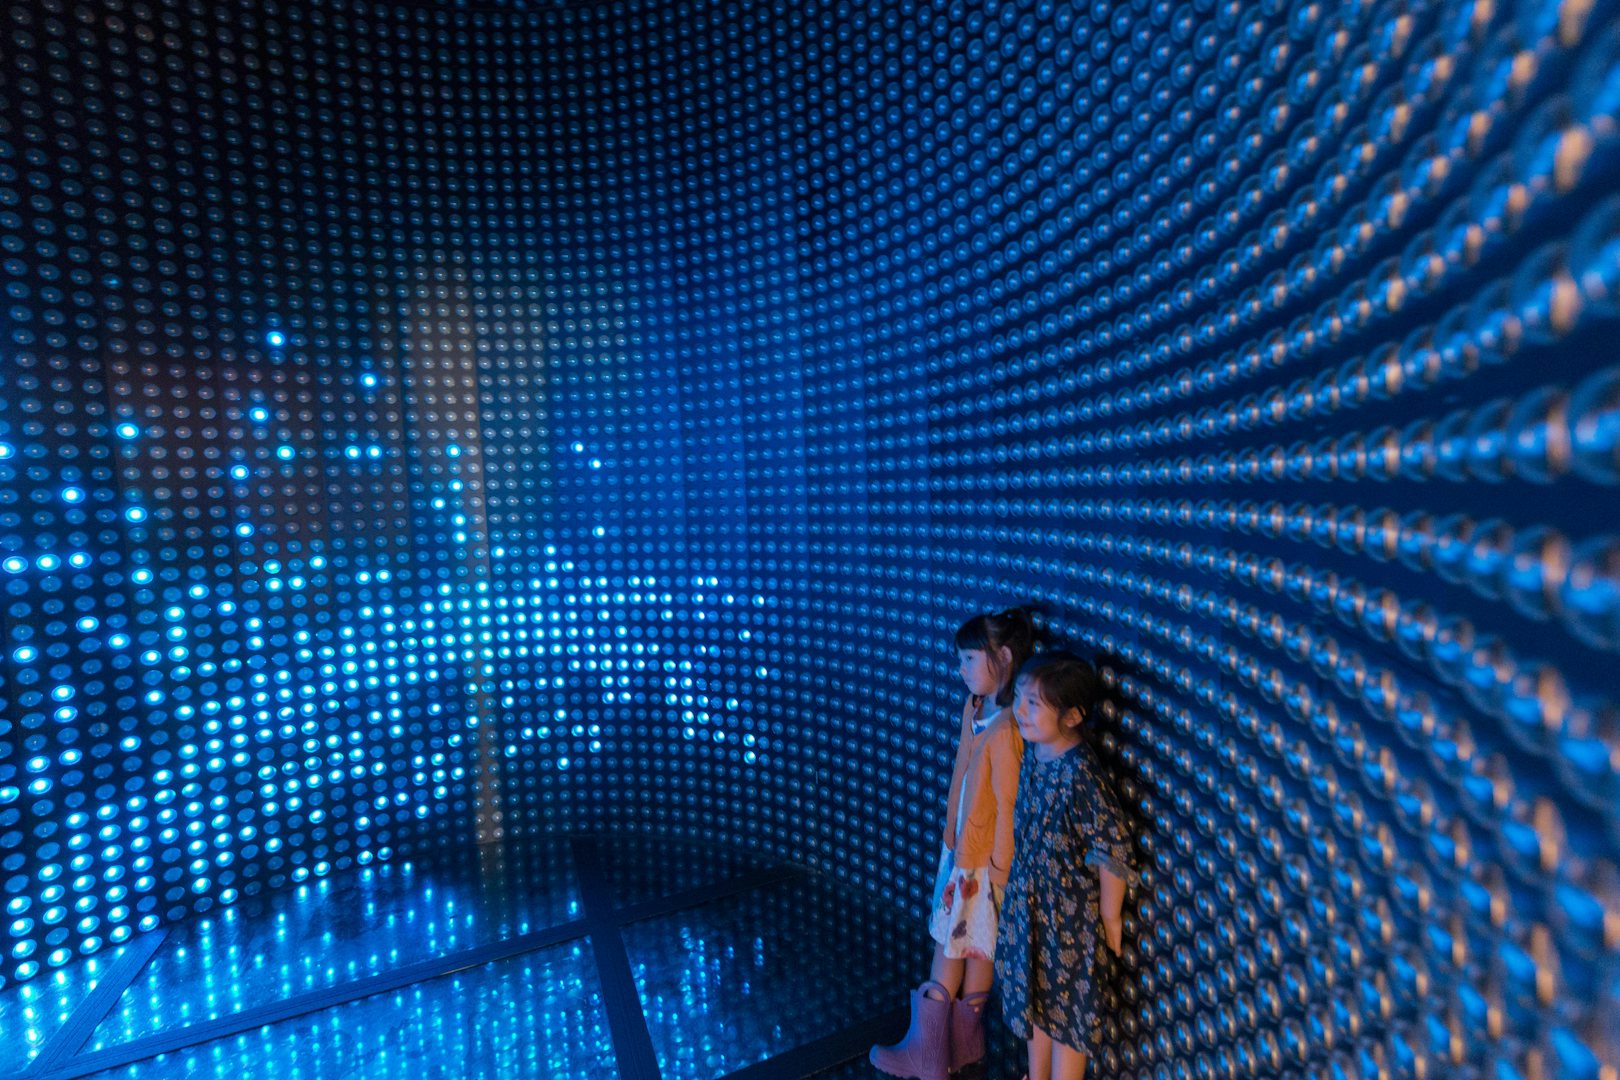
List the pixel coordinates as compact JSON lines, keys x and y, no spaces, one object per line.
{"x":987,"y":764}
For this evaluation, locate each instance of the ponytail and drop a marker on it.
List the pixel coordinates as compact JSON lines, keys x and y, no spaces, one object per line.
{"x":1012,"y":629}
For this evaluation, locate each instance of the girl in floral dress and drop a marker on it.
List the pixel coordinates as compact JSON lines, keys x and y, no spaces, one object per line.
{"x":1069,"y":878}
{"x":947,"y":1011}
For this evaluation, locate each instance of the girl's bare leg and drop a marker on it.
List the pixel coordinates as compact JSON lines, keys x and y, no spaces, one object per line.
{"x":980,"y":974}
{"x":946,"y":971}
{"x":1067,"y":1062}
{"x":1040,"y":1056}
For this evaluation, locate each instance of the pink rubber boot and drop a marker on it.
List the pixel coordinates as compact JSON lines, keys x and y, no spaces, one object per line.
{"x":967,"y":1030}
{"x":925,"y":1052}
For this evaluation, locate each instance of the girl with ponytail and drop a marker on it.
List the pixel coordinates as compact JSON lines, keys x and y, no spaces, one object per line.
{"x":947,"y":1011}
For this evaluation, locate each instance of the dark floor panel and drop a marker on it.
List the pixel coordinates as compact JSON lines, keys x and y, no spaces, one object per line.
{"x":988,"y":1070}
{"x":734,"y":982}
{"x":536,"y":1015}
{"x":1005,"y":1060}
{"x":343,"y":928}
{"x":31,"y":1013}
{"x":640,"y":869}
{"x":854,"y":1070}
{"x":991,"y":1069}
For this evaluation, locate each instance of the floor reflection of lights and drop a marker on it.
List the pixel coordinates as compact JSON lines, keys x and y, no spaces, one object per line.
{"x":536,"y":1015}
{"x":553,"y":958}
{"x":338,"y":930}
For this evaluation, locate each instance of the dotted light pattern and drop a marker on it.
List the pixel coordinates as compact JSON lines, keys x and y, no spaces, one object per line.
{"x":1262,"y":344}
{"x":657,"y":384}
{"x":235,"y":627}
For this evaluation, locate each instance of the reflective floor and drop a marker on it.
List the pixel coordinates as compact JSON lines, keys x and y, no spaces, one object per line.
{"x":550,"y":958}
{"x":338,"y":930}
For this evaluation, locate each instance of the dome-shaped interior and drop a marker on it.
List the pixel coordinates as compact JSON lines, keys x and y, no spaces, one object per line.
{"x":428,"y":425}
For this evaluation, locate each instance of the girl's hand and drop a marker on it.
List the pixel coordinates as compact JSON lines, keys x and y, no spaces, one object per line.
{"x":1110,"y":902}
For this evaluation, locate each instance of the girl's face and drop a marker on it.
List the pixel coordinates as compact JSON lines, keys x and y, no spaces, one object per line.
{"x":1039,"y":721}
{"x":978,"y":672}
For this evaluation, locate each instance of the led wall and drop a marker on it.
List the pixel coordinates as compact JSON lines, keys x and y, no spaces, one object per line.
{"x":431,"y":423}
{"x":238,"y":640}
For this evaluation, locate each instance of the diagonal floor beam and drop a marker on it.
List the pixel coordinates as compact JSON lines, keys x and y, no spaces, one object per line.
{"x":318,"y":1001}
{"x":62,"y":1059}
{"x":89,"y":1014}
{"x":627,"y":1023}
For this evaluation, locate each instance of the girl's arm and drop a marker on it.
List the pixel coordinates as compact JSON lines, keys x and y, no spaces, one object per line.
{"x":1112,"y":900}
{"x":1004,"y":763}
{"x":958,"y":771}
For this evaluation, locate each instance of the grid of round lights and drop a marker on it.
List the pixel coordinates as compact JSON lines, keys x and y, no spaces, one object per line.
{"x":1261,"y":343}
{"x":228,"y":500}
{"x":426,"y":422}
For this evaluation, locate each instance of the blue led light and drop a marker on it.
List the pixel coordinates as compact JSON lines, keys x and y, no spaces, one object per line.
{"x":1263,"y":344}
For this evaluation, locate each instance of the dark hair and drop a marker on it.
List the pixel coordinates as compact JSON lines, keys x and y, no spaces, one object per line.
{"x":990,"y":633}
{"x":1063,"y":680}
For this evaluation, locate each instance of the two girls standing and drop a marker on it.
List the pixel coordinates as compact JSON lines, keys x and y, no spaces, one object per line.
{"x":1034,"y":857}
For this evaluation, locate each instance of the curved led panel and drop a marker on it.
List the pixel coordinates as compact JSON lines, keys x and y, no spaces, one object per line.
{"x":423,"y":424}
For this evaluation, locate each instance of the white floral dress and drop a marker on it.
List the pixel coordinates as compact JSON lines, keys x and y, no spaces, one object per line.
{"x":966,"y":903}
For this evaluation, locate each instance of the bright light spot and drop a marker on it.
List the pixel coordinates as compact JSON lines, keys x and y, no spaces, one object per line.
{"x":259,"y":414}
{"x":72,"y":494}
{"x":135,"y":513}
{"x":276,"y":339}
{"x":128,"y":431}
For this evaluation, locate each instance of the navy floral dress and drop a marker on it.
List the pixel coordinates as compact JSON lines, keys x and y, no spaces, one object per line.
{"x":1066,"y":825}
